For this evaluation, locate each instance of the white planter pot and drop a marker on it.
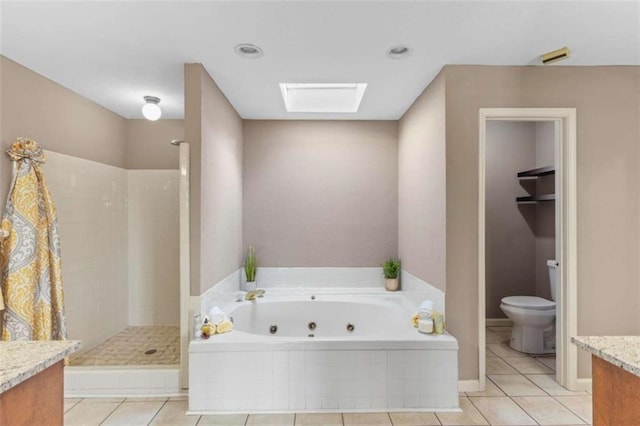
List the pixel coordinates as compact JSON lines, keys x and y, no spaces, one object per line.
{"x":249,"y":285}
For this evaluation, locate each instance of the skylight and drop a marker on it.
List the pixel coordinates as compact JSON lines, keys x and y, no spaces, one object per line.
{"x":322,"y":97}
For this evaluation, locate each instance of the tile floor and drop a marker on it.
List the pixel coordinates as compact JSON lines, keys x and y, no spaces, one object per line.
{"x":520,"y":390}
{"x":128,"y":347}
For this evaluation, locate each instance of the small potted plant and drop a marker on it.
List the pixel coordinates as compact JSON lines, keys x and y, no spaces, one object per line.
{"x":391,"y":270}
{"x":250,"y":269}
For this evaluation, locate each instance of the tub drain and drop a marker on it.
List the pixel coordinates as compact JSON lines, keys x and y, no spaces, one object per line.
{"x":151,"y":352}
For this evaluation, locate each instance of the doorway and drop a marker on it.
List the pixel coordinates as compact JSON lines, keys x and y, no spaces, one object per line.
{"x":564,"y":125}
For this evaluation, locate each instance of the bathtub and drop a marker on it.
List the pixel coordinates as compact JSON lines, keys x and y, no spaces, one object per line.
{"x":318,"y":350}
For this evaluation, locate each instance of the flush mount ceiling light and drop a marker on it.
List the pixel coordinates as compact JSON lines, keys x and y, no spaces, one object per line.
{"x":555,"y":56}
{"x":150,"y":109}
{"x":398,"y":52}
{"x":247,"y":50}
{"x":322,"y":97}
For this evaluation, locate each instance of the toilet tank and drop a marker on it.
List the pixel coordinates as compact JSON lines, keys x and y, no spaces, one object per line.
{"x":552,"y":265}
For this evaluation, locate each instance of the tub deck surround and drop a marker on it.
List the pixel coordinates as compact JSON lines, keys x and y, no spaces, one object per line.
{"x":621,"y":351}
{"x":322,"y":280}
{"x":23,"y":360}
{"x":384,"y":364}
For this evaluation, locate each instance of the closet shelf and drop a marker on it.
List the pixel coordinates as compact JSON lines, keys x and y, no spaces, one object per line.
{"x":534,"y":173}
{"x":536,"y":198}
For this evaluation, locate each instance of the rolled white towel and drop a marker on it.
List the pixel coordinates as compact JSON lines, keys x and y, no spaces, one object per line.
{"x":426,"y":309}
{"x":217,"y":316}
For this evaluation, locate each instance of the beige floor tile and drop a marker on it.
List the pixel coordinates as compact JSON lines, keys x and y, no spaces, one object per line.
{"x":325,"y":419}
{"x":548,"y":384}
{"x":528,"y":366}
{"x":491,"y":337}
{"x":501,"y":411}
{"x":89,"y":413}
{"x":69,"y":403}
{"x":503,"y":350}
{"x":548,"y":361}
{"x":489,"y":353}
{"x":147,"y":399}
{"x":271,"y":419}
{"x":414,"y":419}
{"x":547,"y":411}
{"x":580,"y":405}
{"x":224,"y":420}
{"x":118,"y":400}
{"x":490,"y":390}
{"x":469,"y":416}
{"x":516,"y":385}
{"x":498,"y":366}
{"x":133,"y":413}
{"x":366,"y":419}
{"x":172,"y":413}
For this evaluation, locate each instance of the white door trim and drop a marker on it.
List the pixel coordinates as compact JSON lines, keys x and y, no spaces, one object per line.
{"x":566,"y":234}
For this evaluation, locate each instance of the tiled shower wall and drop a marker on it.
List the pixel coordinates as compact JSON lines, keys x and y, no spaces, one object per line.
{"x":91,"y":199}
{"x":119,"y":238}
{"x":154,"y":250}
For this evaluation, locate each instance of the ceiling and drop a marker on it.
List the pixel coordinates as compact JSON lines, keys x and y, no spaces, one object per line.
{"x":117,"y":52}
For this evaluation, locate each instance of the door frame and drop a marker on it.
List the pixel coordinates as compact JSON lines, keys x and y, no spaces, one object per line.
{"x":566,"y":234}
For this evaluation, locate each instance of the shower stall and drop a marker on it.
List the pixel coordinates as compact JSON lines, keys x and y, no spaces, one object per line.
{"x":121,"y":247}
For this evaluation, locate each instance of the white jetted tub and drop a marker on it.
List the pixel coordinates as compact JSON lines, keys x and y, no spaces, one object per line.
{"x":316,"y":351}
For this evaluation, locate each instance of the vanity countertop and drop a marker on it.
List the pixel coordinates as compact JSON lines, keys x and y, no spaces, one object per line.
{"x":24,"y":359}
{"x":622,"y":351}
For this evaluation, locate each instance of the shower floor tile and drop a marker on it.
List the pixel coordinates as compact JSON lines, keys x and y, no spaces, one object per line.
{"x":130,"y":347}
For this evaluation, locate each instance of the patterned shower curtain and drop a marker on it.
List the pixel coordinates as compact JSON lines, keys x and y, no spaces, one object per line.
{"x":30,"y":268}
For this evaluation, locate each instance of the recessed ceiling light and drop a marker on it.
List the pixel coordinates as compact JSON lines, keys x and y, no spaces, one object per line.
{"x":398,"y":52}
{"x":322,"y":97}
{"x":247,"y":50}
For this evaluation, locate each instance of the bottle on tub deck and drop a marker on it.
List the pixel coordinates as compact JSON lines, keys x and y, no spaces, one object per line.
{"x":391,"y":269}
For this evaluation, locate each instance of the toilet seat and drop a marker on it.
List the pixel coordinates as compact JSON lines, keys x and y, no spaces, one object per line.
{"x":530,"y":302}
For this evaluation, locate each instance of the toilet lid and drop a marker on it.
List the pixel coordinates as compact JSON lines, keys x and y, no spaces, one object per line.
{"x":529,"y":302}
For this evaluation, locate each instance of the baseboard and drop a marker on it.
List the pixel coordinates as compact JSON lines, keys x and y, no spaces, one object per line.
{"x":498,"y":322}
{"x":469,"y":386}
{"x":583,"y":384}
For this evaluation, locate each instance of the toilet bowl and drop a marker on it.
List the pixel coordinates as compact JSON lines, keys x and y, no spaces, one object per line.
{"x":533,"y":319}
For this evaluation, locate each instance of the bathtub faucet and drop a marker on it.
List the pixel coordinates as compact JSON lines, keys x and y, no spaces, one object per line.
{"x":251,"y":295}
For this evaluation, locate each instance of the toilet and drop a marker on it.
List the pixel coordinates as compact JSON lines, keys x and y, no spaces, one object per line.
{"x":534,"y":319}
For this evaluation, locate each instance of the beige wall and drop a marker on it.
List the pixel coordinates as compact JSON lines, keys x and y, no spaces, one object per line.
{"x":607,"y":102}
{"x":57,"y":118}
{"x":214,"y":130}
{"x":510,"y":227}
{"x":421,"y":186}
{"x":148,"y":143}
{"x":321,"y":193}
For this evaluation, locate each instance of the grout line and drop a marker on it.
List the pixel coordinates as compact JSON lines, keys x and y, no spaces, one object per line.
{"x":111,"y":412}
{"x":479,"y":411}
{"x":246,"y":420}
{"x":157,"y":412}
{"x":295,"y":416}
{"x":390,"y":419}
{"x":525,"y":411}
{"x":576,"y":414}
{"x":342,"y":417}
